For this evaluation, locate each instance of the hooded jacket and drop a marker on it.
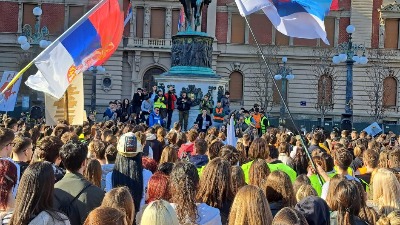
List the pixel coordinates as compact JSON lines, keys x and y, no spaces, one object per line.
{"x":186,"y":149}
{"x":199,"y":160}
{"x":315,"y":210}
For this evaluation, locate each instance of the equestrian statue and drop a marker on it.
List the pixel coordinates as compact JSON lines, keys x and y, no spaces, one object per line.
{"x":195,"y":7}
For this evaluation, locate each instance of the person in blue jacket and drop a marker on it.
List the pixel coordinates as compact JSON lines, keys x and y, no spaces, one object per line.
{"x":155,"y":118}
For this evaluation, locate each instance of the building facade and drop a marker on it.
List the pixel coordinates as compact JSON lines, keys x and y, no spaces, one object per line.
{"x":318,"y":84}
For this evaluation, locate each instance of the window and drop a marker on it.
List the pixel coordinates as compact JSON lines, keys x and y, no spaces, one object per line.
{"x":392,"y":33}
{"x":175,"y":20}
{"x":389,"y":92}
{"x":75,"y":13}
{"x":148,"y":78}
{"x":325,"y":87}
{"x":236,"y":86}
{"x":275,"y":97}
{"x":237,"y":29}
{"x":157,"y":23}
{"x":330,"y":31}
{"x":139,"y":22}
{"x":29,"y":18}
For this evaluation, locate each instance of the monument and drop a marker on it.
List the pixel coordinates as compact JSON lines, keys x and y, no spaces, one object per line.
{"x":191,"y":62}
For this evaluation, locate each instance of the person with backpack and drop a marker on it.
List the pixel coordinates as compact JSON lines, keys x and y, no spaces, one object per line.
{"x":73,"y":194}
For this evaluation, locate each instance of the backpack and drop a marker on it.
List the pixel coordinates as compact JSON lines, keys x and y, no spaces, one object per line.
{"x":67,"y":207}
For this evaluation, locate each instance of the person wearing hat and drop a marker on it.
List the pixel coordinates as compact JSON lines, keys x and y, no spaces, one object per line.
{"x":264,"y":122}
{"x":128,"y":170}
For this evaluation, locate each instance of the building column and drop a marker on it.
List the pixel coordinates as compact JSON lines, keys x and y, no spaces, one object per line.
{"x":20,"y":15}
{"x":133,"y":23}
{"x":147,"y":21}
{"x":382,"y":33}
{"x":136,"y":80}
{"x":168,"y":23}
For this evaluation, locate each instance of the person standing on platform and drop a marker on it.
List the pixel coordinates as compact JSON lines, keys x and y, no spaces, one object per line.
{"x":171,"y":99}
{"x":161,"y":102}
{"x":264,"y":123}
{"x":137,"y":101}
{"x":257,"y":119}
{"x":219,"y":115}
{"x":207,"y":103}
{"x":184,"y":104}
{"x":225,"y":102}
{"x":203,"y":120}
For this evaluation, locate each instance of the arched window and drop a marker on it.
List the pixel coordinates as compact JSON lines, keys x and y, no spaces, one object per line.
{"x":236,"y":86}
{"x":148,"y":77}
{"x":389,"y":97}
{"x":325,"y":89}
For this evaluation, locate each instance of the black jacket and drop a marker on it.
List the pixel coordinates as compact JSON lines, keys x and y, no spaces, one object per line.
{"x":199,"y":121}
{"x":184,"y":106}
{"x":137,"y":100}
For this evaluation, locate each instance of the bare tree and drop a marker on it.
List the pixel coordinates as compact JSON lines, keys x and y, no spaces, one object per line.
{"x":325,"y":81}
{"x":263,"y":83}
{"x":376,"y":73}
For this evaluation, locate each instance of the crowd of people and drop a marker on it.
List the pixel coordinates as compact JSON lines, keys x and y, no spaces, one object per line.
{"x":125,"y":173}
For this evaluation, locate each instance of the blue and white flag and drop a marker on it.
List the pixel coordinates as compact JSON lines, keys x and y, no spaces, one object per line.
{"x":128,"y":14}
{"x":294,"y":18}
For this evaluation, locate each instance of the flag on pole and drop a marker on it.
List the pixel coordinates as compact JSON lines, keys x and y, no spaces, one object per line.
{"x":89,"y":42}
{"x":128,"y":14}
{"x":294,"y":18}
{"x":181,"y":21}
{"x":231,"y":138}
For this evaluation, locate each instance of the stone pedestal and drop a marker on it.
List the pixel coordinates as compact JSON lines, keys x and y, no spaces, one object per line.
{"x":191,"y":57}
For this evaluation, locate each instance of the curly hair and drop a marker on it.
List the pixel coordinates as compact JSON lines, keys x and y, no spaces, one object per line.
{"x":237,"y":179}
{"x":49,"y":148}
{"x":280,"y":188}
{"x":184,"y":180}
{"x":230,"y":153}
{"x":214,"y":149}
{"x":215,"y":184}
{"x":259,"y":149}
{"x":8,"y":178}
{"x":258,"y":173}
{"x":158,"y":188}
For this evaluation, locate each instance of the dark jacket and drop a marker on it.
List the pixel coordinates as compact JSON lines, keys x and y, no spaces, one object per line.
{"x":199,"y":160}
{"x":68,"y":188}
{"x":315,"y":210}
{"x":184,"y":106}
{"x":155,"y":145}
{"x":137,"y":100}
{"x":275,"y":207}
{"x":226,"y":105}
{"x":199,"y":121}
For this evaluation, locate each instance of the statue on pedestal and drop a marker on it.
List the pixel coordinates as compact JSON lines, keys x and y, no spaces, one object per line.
{"x":193,"y":6}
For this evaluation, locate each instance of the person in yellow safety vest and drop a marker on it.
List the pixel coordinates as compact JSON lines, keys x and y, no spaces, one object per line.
{"x":264,"y":122}
{"x":161,"y":102}
{"x":249,"y":120}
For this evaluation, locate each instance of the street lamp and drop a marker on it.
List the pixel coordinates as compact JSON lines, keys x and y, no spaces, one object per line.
{"x":284,"y":74}
{"x":94,"y":70}
{"x":348,"y":52}
{"x":38,"y":36}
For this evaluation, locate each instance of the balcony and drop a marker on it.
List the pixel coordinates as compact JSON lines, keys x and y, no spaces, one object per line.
{"x":150,"y":43}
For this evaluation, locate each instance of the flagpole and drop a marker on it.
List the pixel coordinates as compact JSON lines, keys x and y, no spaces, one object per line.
{"x":66,"y":116}
{"x":282,"y":99}
{"x":19,"y":74}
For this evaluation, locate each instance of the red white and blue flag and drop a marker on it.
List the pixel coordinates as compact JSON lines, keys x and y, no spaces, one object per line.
{"x":294,"y":18}
{"x":181,"y":21}
{"x":89,"y":42}
{"x":128,"y":14}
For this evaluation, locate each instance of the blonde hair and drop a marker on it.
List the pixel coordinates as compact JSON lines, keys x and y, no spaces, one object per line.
{"x":258,"y":173}
{"x":305,"y":190}
{"x":168,"y":154}
{"x":386,"y":191}
{"x":392,"y":219}
{"x":159,"y":212}
{"x":250,"y":207}
{"x":120,"y":198}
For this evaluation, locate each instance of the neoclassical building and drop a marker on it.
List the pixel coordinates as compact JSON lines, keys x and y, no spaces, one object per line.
{"x":317,"y":85}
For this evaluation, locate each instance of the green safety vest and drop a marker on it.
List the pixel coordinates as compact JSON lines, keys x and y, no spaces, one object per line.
{"x":278,"y":166}
{"x":159,"y":103}
{"x":248,"y":120}
{"x":263,"y":127}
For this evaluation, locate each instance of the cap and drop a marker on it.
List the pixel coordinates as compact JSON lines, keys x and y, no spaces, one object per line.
{"x":128,"y":145}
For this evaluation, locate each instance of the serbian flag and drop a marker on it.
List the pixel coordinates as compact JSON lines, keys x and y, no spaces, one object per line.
{"x":181,"y":21}
{"x":128,"y":14}
{"x":294,"y":18}
{"x":89,"y":42}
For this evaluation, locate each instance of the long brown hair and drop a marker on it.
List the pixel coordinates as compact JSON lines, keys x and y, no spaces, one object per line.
{"x":289,"y":216}
{"x":330,"y":198}
{"x":93,"y":172}
{"x":280,"y":188}
{"x":258,"y":149}
{"x":258,"y":173}
{"x":250,"y":207}
{"x":184,"y":180}
{"x":35,"y":193}
{"x":215,"y":184}
{"x":237,"y":179}
{"x":169,"y":154}
{"x":348,"y":202}
{"x":120,"y":198}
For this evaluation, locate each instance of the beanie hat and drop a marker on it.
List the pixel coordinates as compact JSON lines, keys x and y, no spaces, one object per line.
{"x":129,"y":145}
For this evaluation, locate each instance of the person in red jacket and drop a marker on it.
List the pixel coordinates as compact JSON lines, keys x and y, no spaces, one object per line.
{"x":186,"y":150}
{"x":171,"y":99}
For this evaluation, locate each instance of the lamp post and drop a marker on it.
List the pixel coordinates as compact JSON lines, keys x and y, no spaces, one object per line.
{"x":348,"y":53}
{"x":284,"y":74}
{"x":37,"y":36}
{"x":94,"y":70}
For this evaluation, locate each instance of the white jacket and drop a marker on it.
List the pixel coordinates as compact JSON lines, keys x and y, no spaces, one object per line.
{"x":207,"y":215}
{"x":44,"y":218}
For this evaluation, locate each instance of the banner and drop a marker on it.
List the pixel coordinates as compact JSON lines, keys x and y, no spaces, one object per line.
{"x":8,"y":100}
{"x":70,"y":108}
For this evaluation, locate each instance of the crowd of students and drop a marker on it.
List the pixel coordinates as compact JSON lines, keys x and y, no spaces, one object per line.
{"x":119,"y":173}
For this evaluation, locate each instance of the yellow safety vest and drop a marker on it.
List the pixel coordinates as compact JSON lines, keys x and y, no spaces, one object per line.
{"x":263,"y":127}
{"x":159,"y":103}
{"x":248,"y":120}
